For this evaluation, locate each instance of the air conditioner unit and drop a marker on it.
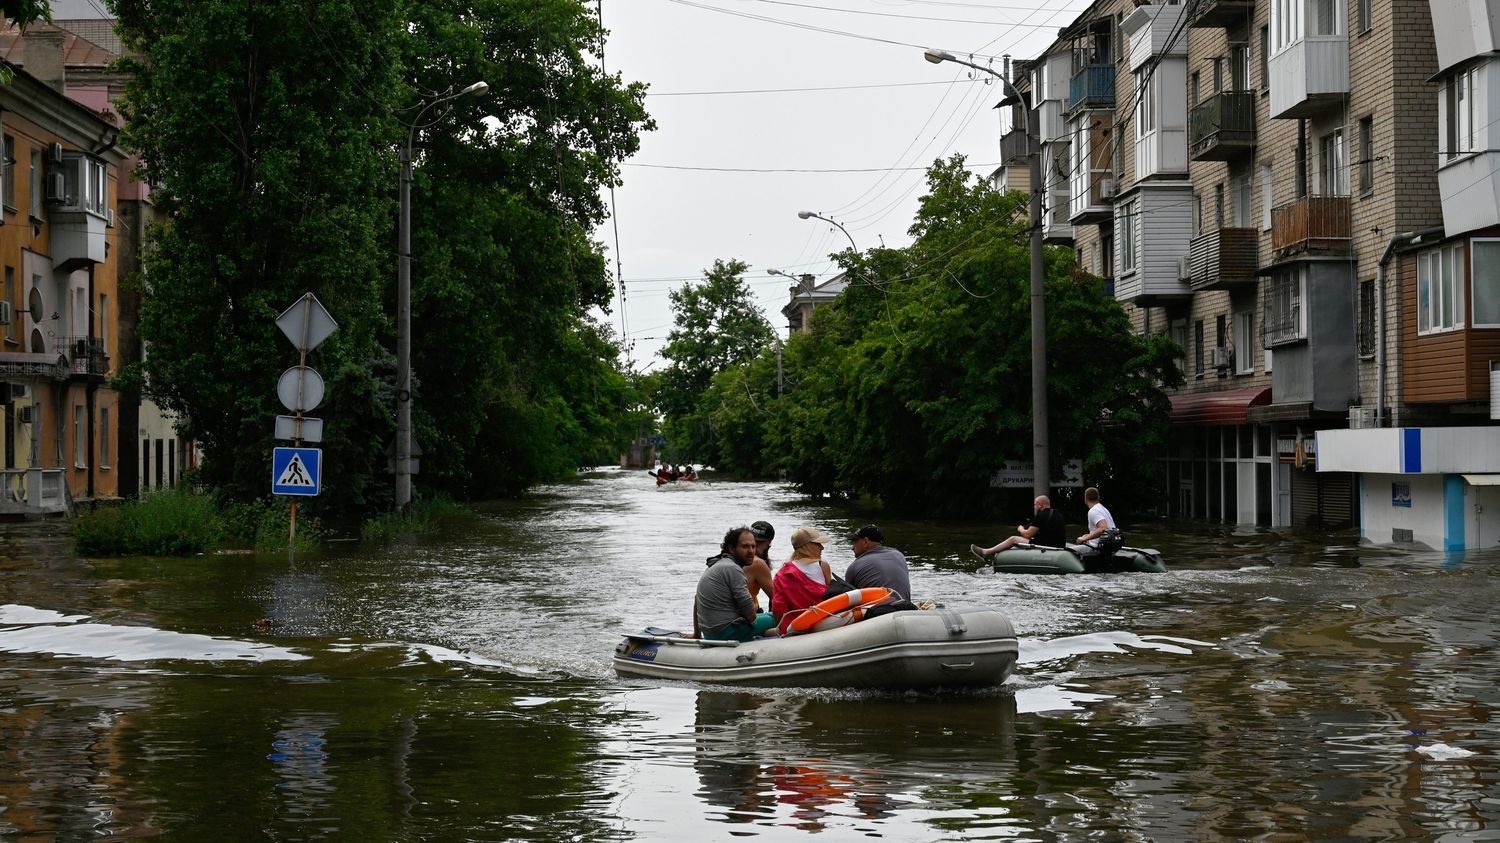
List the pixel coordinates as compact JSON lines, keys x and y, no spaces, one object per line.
{"x":1362,"y":418}
{"x":54,"y":153}
{"x":23,"y":415}
{"x":1184,"y":270}
{"x":7,"y":313}
{"x":1220,"y":357}
{"x":1108,"y":188}
{"x":57,"y":187}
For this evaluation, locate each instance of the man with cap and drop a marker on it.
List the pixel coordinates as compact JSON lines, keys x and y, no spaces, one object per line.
{"x":878,"y":566}
{"x":723,"y":609}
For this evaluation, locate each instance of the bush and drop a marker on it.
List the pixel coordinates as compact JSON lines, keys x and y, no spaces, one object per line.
{"x":422,"y":516}
{"x":176,"y":522}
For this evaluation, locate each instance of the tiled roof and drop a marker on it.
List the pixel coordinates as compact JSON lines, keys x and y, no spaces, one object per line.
{"x":78,"y":52}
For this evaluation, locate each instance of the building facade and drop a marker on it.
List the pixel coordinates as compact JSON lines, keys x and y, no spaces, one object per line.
{"x":1304,"y":194}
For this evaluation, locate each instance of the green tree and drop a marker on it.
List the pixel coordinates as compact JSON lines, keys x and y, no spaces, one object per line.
{"x":716,"y":326}
{"x":270,"y":145}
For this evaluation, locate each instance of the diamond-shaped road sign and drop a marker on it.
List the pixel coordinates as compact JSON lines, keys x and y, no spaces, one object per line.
{"x":306,"y":323}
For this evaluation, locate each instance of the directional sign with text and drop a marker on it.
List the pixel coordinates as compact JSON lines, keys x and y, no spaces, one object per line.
{"x":296,"y":471}
{"x":1019,"y":475}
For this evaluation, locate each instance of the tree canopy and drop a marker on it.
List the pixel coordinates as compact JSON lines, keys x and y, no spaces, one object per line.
{"x":272,"y":129}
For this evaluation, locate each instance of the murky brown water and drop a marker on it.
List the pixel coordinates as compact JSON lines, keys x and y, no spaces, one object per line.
{"x":1273,"y":687}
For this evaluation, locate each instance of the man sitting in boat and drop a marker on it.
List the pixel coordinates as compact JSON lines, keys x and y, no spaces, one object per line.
{"x":723,"y":609}
{"x":878,"y":566}
{"x":803,"y":579}
{"x":1045,"y":528}
{"x":1100,"y":538}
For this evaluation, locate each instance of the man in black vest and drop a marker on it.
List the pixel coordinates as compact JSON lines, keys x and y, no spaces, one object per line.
{"x":1045,"y":528}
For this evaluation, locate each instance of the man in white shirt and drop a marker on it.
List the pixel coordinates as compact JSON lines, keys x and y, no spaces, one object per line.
{"x":1099,"y":519}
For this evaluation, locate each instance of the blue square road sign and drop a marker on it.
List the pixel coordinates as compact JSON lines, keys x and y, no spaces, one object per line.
{"x":296,"y":471}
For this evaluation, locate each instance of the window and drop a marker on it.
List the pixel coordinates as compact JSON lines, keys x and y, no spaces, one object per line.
{"x":10,"y":296}
{"x":80,"y":444}
{"x":1283,"y":321}
{"x":1218,"y":74}
{"x":104,"y":437}
{"x":1485,"y":270}
{"x":1218,"y":206}
{"x":1193,"y":90}
{"x":1366,"y":156}
{"x":1265,"y":195}
{"x":1244,"y":343}
{"x":1179,"y":329}
{"x":1197,"y":213}
{"x":1130,"y":241}
{"x":1335,"y":164}
{"x":1221,"y":339}
{"x":1198,"y":348}
{"x":80,"y":312}
{"x":9,"y":174}
{"x":1239,"y":67}
{"x":104,"y":322}
{"x":1439,"y":289}
{"x":1107,"y":255}
{"x":1366,"y":16}
{"x":1286,"y":23}
{"x":1366,"y":328}
{"x":1265,"y":58}
{"x":1327,"y":18}
{"x":1459,"y":128}
{"x":85,"y":184}
{"x":1145,"y":107}
{"x":1240,"y":197}
{"x":35,"y":199}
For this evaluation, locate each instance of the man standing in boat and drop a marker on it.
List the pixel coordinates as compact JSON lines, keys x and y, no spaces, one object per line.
{"x":878,"y":566}
{"x":1045,"y":528}
{"x":723,"y":609}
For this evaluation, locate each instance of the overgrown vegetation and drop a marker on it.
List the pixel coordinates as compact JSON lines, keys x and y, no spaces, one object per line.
{"x":426,"y":515}
{"x":176,"y":522}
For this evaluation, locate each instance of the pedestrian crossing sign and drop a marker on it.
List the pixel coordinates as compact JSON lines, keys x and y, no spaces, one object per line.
{"x":295,"y":471}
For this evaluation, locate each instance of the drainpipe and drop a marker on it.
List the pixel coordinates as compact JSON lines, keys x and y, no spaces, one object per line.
{"x":1412,"y":238}
{"x":90,"y":394}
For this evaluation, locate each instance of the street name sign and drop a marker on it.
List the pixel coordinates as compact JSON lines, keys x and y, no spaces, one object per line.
{"x":1018,"y":475}
{"x":296,"y":471}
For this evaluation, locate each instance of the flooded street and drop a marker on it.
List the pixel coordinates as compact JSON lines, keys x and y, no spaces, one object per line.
{"x":1270,"y":686}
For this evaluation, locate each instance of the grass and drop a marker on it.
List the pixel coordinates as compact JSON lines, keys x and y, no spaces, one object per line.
{"x":422,"y":516}
{"x":175,"y":522}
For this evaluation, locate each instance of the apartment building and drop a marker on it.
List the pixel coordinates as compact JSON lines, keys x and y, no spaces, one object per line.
{"x":1257,"y":178}
{"x":60,"y":301}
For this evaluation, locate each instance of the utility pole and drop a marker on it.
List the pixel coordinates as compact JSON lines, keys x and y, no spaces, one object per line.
{"x":1040,"y":454}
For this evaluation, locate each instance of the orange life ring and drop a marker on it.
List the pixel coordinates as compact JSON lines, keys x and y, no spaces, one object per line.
{"x":840,"y":610}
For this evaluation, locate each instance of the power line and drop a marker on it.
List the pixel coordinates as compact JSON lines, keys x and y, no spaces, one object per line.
{"x":894,"y":15}
{"x":795,"y":25}
{"x":804,"y":90}
{"x":785,"y":169}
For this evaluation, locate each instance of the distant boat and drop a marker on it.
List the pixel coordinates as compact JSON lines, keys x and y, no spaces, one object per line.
{"x":1036,"y":559}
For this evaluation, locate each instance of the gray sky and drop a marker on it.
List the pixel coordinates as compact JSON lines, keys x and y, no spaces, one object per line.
{"x":673,"y":223}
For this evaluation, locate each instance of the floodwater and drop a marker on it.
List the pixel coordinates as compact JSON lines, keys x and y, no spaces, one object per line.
{"x":1270,"y":686}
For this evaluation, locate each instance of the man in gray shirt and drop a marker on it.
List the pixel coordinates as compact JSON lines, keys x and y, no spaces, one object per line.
{"x":723,"y":609}
{"x":878,"y":566}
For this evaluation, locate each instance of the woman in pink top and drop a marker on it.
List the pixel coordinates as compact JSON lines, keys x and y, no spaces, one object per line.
{"x":802,"y":580}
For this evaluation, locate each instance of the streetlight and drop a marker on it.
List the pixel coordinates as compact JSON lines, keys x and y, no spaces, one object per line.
{"x":403,"y":296}
{"x":1040,"y":456}
{"x":810,"y":215}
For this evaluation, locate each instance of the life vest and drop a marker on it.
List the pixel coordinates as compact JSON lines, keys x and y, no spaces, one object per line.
{"x":841,"y":610}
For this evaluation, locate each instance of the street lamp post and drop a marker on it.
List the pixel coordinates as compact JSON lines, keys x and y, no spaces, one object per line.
{"x":806,"y":215}
{"x":1041,"y":458}
{"x":403,"y":297}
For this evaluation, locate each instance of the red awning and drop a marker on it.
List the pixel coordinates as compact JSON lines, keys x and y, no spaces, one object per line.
{"x":1220,"y":407}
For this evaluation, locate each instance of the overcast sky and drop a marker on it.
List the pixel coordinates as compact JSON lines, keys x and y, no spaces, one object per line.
{"x":693,"y":54}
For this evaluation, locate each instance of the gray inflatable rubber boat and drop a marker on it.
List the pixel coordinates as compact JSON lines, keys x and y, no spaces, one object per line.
{"x":925,"y":648}
{"x":1037,"y":559}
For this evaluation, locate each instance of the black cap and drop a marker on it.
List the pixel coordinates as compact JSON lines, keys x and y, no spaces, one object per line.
{"x":763,"y":531}
{"x":869,"y":531}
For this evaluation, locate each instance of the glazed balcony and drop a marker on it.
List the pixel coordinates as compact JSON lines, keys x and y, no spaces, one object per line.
{"x":1220,"y":14}
{"x":1225,"y":259}
{"x":1013,"y":147}
{"x":1222,"y":127}
{"x":1311,"y":225}
{"x":1093,"y":87}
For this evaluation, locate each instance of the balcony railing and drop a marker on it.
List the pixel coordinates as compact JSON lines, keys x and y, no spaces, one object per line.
{"x":1222,"y":126}
{"x":1221,"y":13}
{"x":1224,"y":259}
{"x":1092,"y":87}
{"x":87,"y":356}
{"x":1013,"y":147}
{"x":1314,"y":224}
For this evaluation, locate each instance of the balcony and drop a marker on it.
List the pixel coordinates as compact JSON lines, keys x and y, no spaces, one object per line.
{"x":1463,"y":30}
{"x":1092,"y":88}
{"x":1224,"y":259}
{"x":1222,"y":127}
{"x":1220,"y":14}
{"x":1013,"y":147}
{"x":1310,"y":76}
{"x":87,"y":358}
{"x":1311,"y":225}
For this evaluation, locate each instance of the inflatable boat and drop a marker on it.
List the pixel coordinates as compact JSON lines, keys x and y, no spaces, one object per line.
{"x":925,"y":648}
{"x":1037,"y":559}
